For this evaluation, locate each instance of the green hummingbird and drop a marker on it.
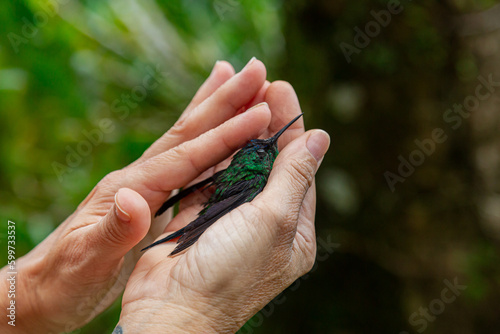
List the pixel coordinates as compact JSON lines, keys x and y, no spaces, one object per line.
{"x":239,"y":183}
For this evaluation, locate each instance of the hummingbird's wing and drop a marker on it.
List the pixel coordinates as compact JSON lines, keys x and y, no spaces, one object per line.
{"x":190,"y":233}
{"x":247,"y":192}
{"x":174,"y":235}
{"x":183,"y":193}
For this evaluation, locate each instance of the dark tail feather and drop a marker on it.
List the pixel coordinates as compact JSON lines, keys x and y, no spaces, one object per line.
{"x":185,"y":192}
{"x":198,"y":226}
{"x":170,"y":237}
{"x":185,"y":245}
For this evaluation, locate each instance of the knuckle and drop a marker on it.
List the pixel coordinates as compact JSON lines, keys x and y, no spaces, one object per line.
{"x":182,"y":124}
{"x":232,"y":104}
{"x":183,"y":151}
{"x":112,"y":177}
{"x":105,"y":188}
{"x":178,"y":129}
{"x":228,"y":145}
{"x":181,"y":130}
{"x":113,"y":233}
{"x":171,"y":136}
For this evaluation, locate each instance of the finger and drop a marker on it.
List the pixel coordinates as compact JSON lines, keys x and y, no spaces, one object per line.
{"x":292,"y":176}
{"x":259,"y":97}
{"x":221,"y":72}
{"x":214,"y":110}
{"x":284,"y":104}
{"x":178,"y":166}
{"x":125,"y":224}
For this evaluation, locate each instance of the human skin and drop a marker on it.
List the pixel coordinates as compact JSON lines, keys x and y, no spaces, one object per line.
{"x":235,"y":268}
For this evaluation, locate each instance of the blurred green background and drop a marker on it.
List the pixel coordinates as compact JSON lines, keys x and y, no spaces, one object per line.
{"x":385,"y":253}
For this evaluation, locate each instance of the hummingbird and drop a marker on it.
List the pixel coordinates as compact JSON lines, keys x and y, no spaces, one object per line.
{"x":239,"y":183}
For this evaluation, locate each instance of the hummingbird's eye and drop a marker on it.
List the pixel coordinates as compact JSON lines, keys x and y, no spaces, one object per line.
{"x":261,"y":151}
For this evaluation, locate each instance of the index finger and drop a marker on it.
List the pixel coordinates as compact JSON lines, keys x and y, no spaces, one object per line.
{"x":176,"y":167}
{"x":221,"y":105}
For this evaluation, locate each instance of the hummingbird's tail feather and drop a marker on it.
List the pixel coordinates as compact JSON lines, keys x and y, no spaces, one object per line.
{"x":185,"y":192}
{"x":168,"y":238}
{"x":195,"y":229}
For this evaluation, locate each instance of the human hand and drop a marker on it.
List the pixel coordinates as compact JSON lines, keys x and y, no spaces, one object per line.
{"x":79,"y":269}
{"x":247,"y":257}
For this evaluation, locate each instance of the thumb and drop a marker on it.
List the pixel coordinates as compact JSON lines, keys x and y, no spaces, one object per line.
{"x":125,"y":224}
{"x":293,"y":172}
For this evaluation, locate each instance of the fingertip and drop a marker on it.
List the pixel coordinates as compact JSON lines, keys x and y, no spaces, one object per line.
{"x":256,"y":70}
{"x":221,"y":73}
{"x":223,"y":68}
{"x":260,"y":113}
{"x":314,"y":143}
{"x":264,"y":88}
{"x":318,"y":143}
{"x":280,"y":89}
{"x":120,"y":212}
{"x":249,"y":124}
{"x":260,"y":96}
{"x":124,"y":226}
{"x":305,"y":152}
{"x":260,"y":70}
{"x":130,"y":205}
{"x":281,"y":95}
{"x":262,"y":104}
{"x":284,"y":103}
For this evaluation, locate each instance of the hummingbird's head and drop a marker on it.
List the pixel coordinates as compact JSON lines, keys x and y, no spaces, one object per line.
{"x":259,"y":154}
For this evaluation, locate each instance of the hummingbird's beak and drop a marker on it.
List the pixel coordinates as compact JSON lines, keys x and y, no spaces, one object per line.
{"x":277,"y":135}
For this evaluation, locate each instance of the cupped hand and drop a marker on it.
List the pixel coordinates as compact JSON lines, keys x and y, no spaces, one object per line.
{"x":247,"y":257}
{"x":79,"y":269}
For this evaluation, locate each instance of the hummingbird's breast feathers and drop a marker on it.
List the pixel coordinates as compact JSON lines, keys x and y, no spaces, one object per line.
{"x":249,"y":168}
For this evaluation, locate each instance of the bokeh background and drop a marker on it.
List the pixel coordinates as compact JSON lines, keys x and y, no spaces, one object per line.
{"x":385,"y":253}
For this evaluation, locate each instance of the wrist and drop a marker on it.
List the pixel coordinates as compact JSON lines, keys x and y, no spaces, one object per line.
{"x":17,"y":299}
{"x":160,"y":317}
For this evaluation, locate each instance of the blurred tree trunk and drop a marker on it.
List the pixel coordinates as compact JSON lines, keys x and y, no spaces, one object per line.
{"x":480,"y":33}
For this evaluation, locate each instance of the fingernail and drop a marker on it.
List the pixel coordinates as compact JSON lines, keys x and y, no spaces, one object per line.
{"x":120,"y":213}
{"x":318,"y":143}
{"x":257,"y":105}
{"x":215,"y":65}
{"x":249,"y":63}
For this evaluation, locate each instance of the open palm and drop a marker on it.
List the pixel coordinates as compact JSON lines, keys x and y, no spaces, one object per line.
{"x":265,"y":244}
